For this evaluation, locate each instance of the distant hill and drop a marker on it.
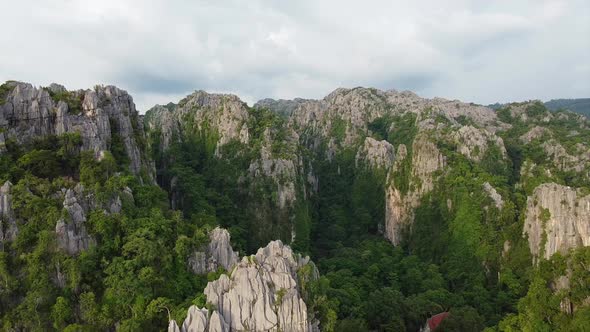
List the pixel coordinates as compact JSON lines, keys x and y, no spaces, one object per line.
{"x":579,"y":105}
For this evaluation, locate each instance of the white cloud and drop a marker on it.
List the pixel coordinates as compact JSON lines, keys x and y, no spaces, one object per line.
{"x":161,"y":50}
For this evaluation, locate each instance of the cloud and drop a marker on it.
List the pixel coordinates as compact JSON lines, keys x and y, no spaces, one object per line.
{"x":161,"y":50}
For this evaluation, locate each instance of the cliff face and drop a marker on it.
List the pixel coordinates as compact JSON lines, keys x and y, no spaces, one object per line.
{"x":272,"y":166}
{"x":376,"y":154}
{"x":218,"y":253}
{"x":262,"y":293}
{"x":557,"y":219}
{"x":426,"y":159}
{"x":222,"y":115}
{"x":8,"y":227}
{"x":72,"y":235}
{"x":28,"y":113}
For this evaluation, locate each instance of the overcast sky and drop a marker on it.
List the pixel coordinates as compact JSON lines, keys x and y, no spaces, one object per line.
{"x":159,"y":50}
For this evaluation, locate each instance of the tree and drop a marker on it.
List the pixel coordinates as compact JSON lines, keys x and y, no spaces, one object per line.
{"x":61,"y":313}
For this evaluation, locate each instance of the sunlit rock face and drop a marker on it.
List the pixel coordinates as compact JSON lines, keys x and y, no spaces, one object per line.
{"x":217,"y":254}
{"x":399,"y":206}
{"x":97,"y":115}
{"x":8,"y":226}
{"x":262,"y":293}
{"x":557,"y":219}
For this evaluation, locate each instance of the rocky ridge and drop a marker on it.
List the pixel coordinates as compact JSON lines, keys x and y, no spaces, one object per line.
{"x":29,"y":113}
{"x":72,"y":235}
{"x":224,"y":115}
{"x":262,"y":293}
{"x":8,"y":226}
{"x":217,"y":254}
{"x":426,"y":159}
{"x":557,"y":219}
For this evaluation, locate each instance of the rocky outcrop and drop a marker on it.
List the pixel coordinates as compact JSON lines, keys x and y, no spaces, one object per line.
{"x":218,"y":254}
{"x":474,"y":142}
{"x":557,"y":219}
{"x":376,"y":154}
{"x":280,"y":168}
{"x":97,"y":115}
{"x":579,"y":161}
{"x":497,"y":198}
{"x":399,"y":206}
{"x":71,"y":233}
{"x":72,"y":236}
{"x":8,"y":226}
{"x":2,"y":143}
{"x":281,"y":106}
{"x":260,"y":294}
{"x":222,"y":116}
{"x":535,"y":133}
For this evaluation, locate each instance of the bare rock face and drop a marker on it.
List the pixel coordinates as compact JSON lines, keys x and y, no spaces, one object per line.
{"x":8,"y":227}
{"x":281,"y":169}
{"x":219,"y":253}
{"x":2,"y":143}
{"x":399,"y":207}
{"x":497,"y":198}
{"x":261,"y":294}
{"x":557,"y":219}
{"x":376,"y":154}
{"x":579,"y":161}
{"x":535,"y":133}
{"x":224,"y":114}
{"x":72,"y":236}
{"x":31,"y":112}
{"x":473,"y":142}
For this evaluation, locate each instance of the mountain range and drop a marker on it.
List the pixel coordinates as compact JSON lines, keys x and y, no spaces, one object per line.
{"x":366,"y":210}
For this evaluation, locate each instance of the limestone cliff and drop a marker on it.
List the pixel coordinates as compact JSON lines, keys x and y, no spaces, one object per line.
{"x":426,"y":159}
{"x":218,"y":253}
{"x":72,"y":235}
{"x":222,"y":116}
{"x":8,"y":227}
{"x":376,"y":154}
{"x":557,"y":219}
{"x":261,"y":294}
{"x":474,"y":142}
{"x":28,"y":113}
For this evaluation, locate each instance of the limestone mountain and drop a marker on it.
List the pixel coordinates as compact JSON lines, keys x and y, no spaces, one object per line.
{"x":408,"y":206}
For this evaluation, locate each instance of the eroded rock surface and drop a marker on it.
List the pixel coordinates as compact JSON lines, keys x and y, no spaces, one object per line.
{"x":474,"y":142}
{"x":97,"y":115}
{"x":376,"y":154}
{"x":218,"y":253}
{"x":72,"y":235}
{"x":557,"y":219}
{"x":225,"y":115}
{"x":399,"y":206}
{"x":261,"y":294}
{"x":8,"y":226}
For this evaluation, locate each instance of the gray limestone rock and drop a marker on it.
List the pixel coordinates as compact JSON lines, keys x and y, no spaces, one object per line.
{"x":473,"y":142}
{"x":399,"y":207}
{"x":376,"y":154}
{"x":219,"y":253}
{"x":31,"y":113}
{"x":260,"y":294}
{"x":557,"y":219}
{"x":72,"y":236}
{"x":497,"y":198}
{"x":8,"y":226}
{"x":226,"y":114}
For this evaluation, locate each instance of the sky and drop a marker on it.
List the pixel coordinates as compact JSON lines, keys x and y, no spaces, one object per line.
{"x":162,"y":50}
